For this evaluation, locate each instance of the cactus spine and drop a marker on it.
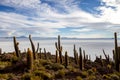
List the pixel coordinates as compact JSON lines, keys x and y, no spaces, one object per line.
{"x":59,"y":48}
{"x":56,"y":58}
{"x":33,"y":47}
{"x":29,"y":59}
{"x":66,"y":59}
{"x":80,"y":59}
{"x":16,"y":47}
{"x":116,"y":53}
{"x":75,"y":55}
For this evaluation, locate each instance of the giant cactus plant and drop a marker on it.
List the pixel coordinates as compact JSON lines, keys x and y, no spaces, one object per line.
{"x":75,"y":55}
{"x":80,"y":59}
{"x":16,"y":47}
{"x":116,"y":53}
{"x":56,"y":57}
{"x":59,"y":48}
{"x":66,"y":59}
{"x":33,"y":47}
{"x":29,"y":59}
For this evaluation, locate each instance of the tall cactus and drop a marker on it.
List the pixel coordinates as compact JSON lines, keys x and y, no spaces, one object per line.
{"x":59,"y":48}
{"x":16,"y":47}
{"x":116,"y":53}
{"x":80,"y":59}
{"x":29,"y":59}
{"x":0,"y":51}
{"x":75,"y":55}
{"x":37,"y":48}
{"x":66,"y":59}
{"x":33,"y":47}
{"x":56,"y":58}
{"x":40,"y":53}
{"x":45,"y":53}
{"x":84,"y":58}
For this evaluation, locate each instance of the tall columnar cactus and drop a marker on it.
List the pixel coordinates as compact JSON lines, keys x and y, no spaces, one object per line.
{"x":56,"y":58}
{"x":75,"y":55}
{"x":59,"y":48}
{"x":40,"y":53}
{"x":16,"y":47}
{"x":116,"y":53}
{"x":80,"y":59}
{"x":84,"y":58}
{"x":37,"y":48}
{"x":66,"y":59}
{"x":0,"y":51}
{"x":45,"y":53}
{"x":29,"y":59}
{"x":33,"y":47}
{"x":107,"y":57}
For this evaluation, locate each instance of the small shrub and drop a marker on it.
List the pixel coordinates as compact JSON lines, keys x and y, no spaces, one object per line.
{"x":114,"y":77}
{"x":84,"y":74}
{"x":3,"y":76}
{"x":44,"y":75}
{"x":60,"y":74}
{"x":11,"y":77}
{"x":106,"y":77}
{"x":72,"y":69}
{"x":91,"y":78}
{"x":14,"y":59}
{"x":90,"y":71}
{"x":57,"y":66}
{"x":78,"y":78}
{"x":26,"y":76}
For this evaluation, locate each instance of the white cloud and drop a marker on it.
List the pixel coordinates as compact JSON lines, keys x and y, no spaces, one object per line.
{"x":47,"y":20}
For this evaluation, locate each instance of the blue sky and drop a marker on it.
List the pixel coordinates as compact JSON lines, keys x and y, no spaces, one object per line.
{"x":68,"y":18}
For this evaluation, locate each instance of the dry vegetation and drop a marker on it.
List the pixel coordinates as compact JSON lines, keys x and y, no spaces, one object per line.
{"x":36,"y":65}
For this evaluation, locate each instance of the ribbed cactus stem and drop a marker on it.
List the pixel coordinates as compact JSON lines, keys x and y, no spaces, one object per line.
{"x":33,"y":47}
{"x":0,"y":51}
{"x":105,"y":56}
{"x":84,"y":58}
{"x":116,"y":53}
{"x":29,"y":59}
{"x":75,"y":55}
{"x":80,"y":59}
{"x":45,"y":53}
{"x":59,"y":48}
{"x":37,"y":48}
{"x":40,"y":53}
{"x":66,"y":59}
{"x":16,"y":47}
{"x":56,"y":58}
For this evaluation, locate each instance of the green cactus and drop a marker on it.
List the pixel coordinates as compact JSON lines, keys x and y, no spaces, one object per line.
{"x":16,"y":47}
{"x":37,"y":48}
{"x":66,"y":59}
{"x":116,"y":53}
{"x":80,"y":59}
{"x":59,"y":48}
{"x":33,"y":47}
{"x":29,"y":59}
{"x":75,"y":55}
{"x":0,"y":51}
{"x":56,"y":58}
{"x":84,"y":58}
{"x":40,"y":53}
{"x":45,"y":53}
